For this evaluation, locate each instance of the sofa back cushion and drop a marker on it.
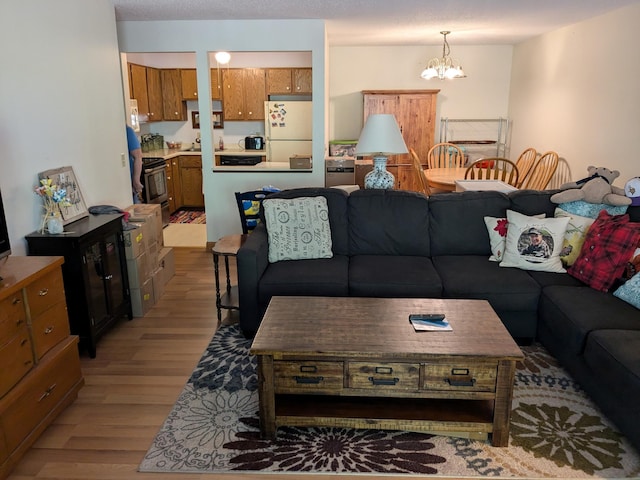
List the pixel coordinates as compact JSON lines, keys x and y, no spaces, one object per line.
{"x":533,"y":202}
{"x":456,"y":221}
{"x":337,"y":206}
{"x":388,"y":222}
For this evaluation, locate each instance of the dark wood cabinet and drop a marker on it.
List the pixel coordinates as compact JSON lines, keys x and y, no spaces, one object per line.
{"x":173,"y":108}
{"x":95,"y":274}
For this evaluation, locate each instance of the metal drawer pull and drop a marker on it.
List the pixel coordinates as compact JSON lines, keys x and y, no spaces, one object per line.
{"x":384,"y":381}
{"x":48,"y":330}
{"x":20,"y":321}
{"x":384,"y":370}
{"x":23,"y":342}
{"x":16,"y":301}
{"x":308,"y":368}
{"x":308,"y":380}
{"x":47,"y":392}
{"x":43,"y":292}
{"x":460,"y":378}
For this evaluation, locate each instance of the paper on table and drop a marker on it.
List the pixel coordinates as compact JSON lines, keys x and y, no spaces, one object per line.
{"x":427,"y":326}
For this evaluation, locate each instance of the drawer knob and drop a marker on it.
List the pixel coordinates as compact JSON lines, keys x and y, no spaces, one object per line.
{"x":308,"y":380}
{"x":47,"y":392}
{"x":384,"y":381}
{"x":48,"y":330}
{"x":43,"y":292}
{"x":16,"y":301}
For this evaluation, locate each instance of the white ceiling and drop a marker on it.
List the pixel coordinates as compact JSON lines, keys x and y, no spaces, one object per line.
{"x":389,"y":22}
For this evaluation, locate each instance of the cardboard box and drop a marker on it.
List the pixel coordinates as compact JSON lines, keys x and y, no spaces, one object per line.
{"x":158,"y":284}
{"x":165,"y":272}
{"x":150,"y":213}
{"x":152,"y":256}
{"x":133,"y":241}
{"x":300,"y":162}
{"x":138,"y":270}
{"x":142,"y":299}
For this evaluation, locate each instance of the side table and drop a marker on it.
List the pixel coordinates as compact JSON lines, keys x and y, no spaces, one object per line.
{"x":226,"y":247}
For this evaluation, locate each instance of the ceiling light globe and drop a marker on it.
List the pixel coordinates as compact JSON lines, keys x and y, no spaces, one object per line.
{"x":223,"y":57}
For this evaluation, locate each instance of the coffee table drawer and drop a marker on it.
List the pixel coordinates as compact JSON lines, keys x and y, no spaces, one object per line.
{"x":308,"y":376}
{"x":387,"y":376}
{"x":476,"y":377}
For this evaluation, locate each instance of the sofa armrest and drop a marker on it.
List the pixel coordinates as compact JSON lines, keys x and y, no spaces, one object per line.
{"x":253,"y":259}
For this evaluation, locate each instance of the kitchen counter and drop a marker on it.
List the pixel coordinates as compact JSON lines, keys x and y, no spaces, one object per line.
{"x":168,"y":153}
{"x":261,"y":167}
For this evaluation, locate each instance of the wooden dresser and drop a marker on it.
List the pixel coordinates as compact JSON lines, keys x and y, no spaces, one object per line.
{"x":40,"y":374}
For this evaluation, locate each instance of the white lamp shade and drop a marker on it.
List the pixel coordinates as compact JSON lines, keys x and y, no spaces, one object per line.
{"x":381,"y":135}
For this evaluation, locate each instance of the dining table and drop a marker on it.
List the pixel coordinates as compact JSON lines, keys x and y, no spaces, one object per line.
{"x":444,"y":178}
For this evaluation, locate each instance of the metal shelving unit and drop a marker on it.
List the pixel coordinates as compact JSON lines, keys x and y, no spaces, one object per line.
{"x":478,"y":137}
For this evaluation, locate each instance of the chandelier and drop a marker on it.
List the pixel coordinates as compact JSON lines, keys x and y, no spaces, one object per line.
{"x":444,"y":67}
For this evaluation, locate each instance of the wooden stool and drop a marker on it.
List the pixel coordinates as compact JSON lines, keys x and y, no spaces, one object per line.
{"x":226,"y":247}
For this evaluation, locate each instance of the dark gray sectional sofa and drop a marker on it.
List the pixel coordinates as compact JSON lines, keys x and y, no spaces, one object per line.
{"x":390,"y":243}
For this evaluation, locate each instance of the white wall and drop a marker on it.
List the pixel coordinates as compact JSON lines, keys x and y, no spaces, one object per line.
{"x":203,"y":37}
{"x":483,"y":94}
{"x":575,"y":90}
{"x":60,"y":104}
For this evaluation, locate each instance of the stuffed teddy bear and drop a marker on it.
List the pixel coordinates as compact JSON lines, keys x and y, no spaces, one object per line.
{"x":596,"y":188}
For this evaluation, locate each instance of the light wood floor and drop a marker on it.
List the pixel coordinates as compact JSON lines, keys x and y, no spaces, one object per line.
{"x":140,"y":369}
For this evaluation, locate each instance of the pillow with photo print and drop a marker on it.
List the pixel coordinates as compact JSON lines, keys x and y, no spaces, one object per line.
{"x":534,"y":243}
{"x":497,"y":229}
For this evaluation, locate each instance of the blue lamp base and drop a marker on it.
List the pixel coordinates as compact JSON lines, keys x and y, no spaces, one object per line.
{"x":379,"y":177}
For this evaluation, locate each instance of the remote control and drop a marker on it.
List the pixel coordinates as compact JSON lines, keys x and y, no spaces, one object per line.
{"x":427,"y":317}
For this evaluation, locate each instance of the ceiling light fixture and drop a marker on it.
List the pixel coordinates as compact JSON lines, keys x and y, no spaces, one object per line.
{"x":223,"y":57}
{"x":444,"y":67}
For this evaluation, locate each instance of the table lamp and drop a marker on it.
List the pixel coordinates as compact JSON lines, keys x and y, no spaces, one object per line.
{"x":380,"y":137}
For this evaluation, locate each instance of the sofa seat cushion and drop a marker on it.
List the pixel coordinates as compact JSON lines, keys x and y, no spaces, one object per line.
{"x":321,"y":277}
{"x":572,"y":313}
{"x":474,"y":276}
{"x":393,"y":276}
{"x":614,"y":357}
{"x":546,"y":279}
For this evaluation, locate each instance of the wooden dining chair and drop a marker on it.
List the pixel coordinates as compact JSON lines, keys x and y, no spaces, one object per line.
{"x":445,"y":155}
{"x":494,"y":168}
{"x":421,"y":180}
{"x":541,"y":172}
{"x":525,"y":162}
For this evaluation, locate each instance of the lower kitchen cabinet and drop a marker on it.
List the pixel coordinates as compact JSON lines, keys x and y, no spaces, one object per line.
{"x":95,"y":274}
{"x":40,"y":373}
{"x":184,"y":182}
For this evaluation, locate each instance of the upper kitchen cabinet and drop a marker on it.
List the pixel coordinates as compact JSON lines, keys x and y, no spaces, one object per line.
{"x":189,"y":84}
{"x":216,"y":88}
{"x":244,"y":93}
{"x":145,"y":87}
{"x":288,"y":81}
{"x":173,"y":107}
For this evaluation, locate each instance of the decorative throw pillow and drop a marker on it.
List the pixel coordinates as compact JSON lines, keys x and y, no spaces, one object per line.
{"x":497,"y":229}
{"x":534,"y":243}
{"x":630,"y":291}
{"x":607,"y":248}
{"x":297,"y":228}
{"x":574,"y":236}
{"x":591,"y":210}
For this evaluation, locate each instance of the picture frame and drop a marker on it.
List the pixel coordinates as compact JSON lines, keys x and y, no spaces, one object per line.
{"x":195,"y":119}
{"x":64,"y":177}
{"x":217,"y":120}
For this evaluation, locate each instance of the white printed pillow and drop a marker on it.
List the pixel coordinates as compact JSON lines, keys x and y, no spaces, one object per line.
{"x":497,"y":229}
{"x":574,"y":236}
{"x":297,"y":228}
{"x":534,"y":243}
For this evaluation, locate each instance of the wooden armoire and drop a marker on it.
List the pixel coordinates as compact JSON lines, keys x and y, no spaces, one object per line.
{"x":415,"y":111}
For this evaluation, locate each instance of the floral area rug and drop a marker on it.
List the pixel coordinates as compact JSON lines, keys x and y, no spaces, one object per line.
{"x":188,"y":216}
{"x":556,"y":431}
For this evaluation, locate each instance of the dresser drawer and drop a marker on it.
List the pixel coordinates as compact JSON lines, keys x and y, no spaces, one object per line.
{"x":16,"y":358}
{"x":384,"y":376}
{"x":12,"y":316}
{"x":40,"y":392}
{"x":45,"y":292}
{"x":308,"y":376}
{"x":476,"y":377}
{"x":49,"y":328}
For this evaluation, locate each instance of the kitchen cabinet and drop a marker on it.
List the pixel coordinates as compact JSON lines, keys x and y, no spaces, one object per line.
{"x":244,"y":94}
{"x":41,"y":372}
{"x":145,"y":87}
{"x":95,"y":276}
{"x":172,"y":174}
{"x":216,"y":87}
{"x":415,"y":112}
{"x":189,"y":82}
{"x":191,"y":181}
{"x":173,"y":107}
{"x":288,"y":81}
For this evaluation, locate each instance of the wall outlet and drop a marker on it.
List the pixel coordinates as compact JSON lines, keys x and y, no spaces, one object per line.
{"x":122,"y":160}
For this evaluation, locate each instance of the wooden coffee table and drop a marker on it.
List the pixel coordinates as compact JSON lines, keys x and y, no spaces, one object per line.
{"x":358,"y":363}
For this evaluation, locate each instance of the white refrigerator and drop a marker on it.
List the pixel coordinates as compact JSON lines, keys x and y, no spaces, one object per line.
{"x":287,"y":129}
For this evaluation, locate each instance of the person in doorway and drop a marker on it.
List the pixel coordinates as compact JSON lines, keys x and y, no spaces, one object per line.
{"x":135,"y":164}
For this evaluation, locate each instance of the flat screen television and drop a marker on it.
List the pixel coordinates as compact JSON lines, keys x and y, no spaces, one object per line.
{"x":5,"y":246}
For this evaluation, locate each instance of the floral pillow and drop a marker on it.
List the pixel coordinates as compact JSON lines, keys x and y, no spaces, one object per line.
{"x":574,"y":236}
{"x":497,"y":229}
{"x":534,"y":243}
{"x":607,"y":248}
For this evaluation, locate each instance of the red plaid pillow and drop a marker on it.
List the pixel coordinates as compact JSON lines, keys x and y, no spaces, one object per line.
{"x":607,"y":247}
